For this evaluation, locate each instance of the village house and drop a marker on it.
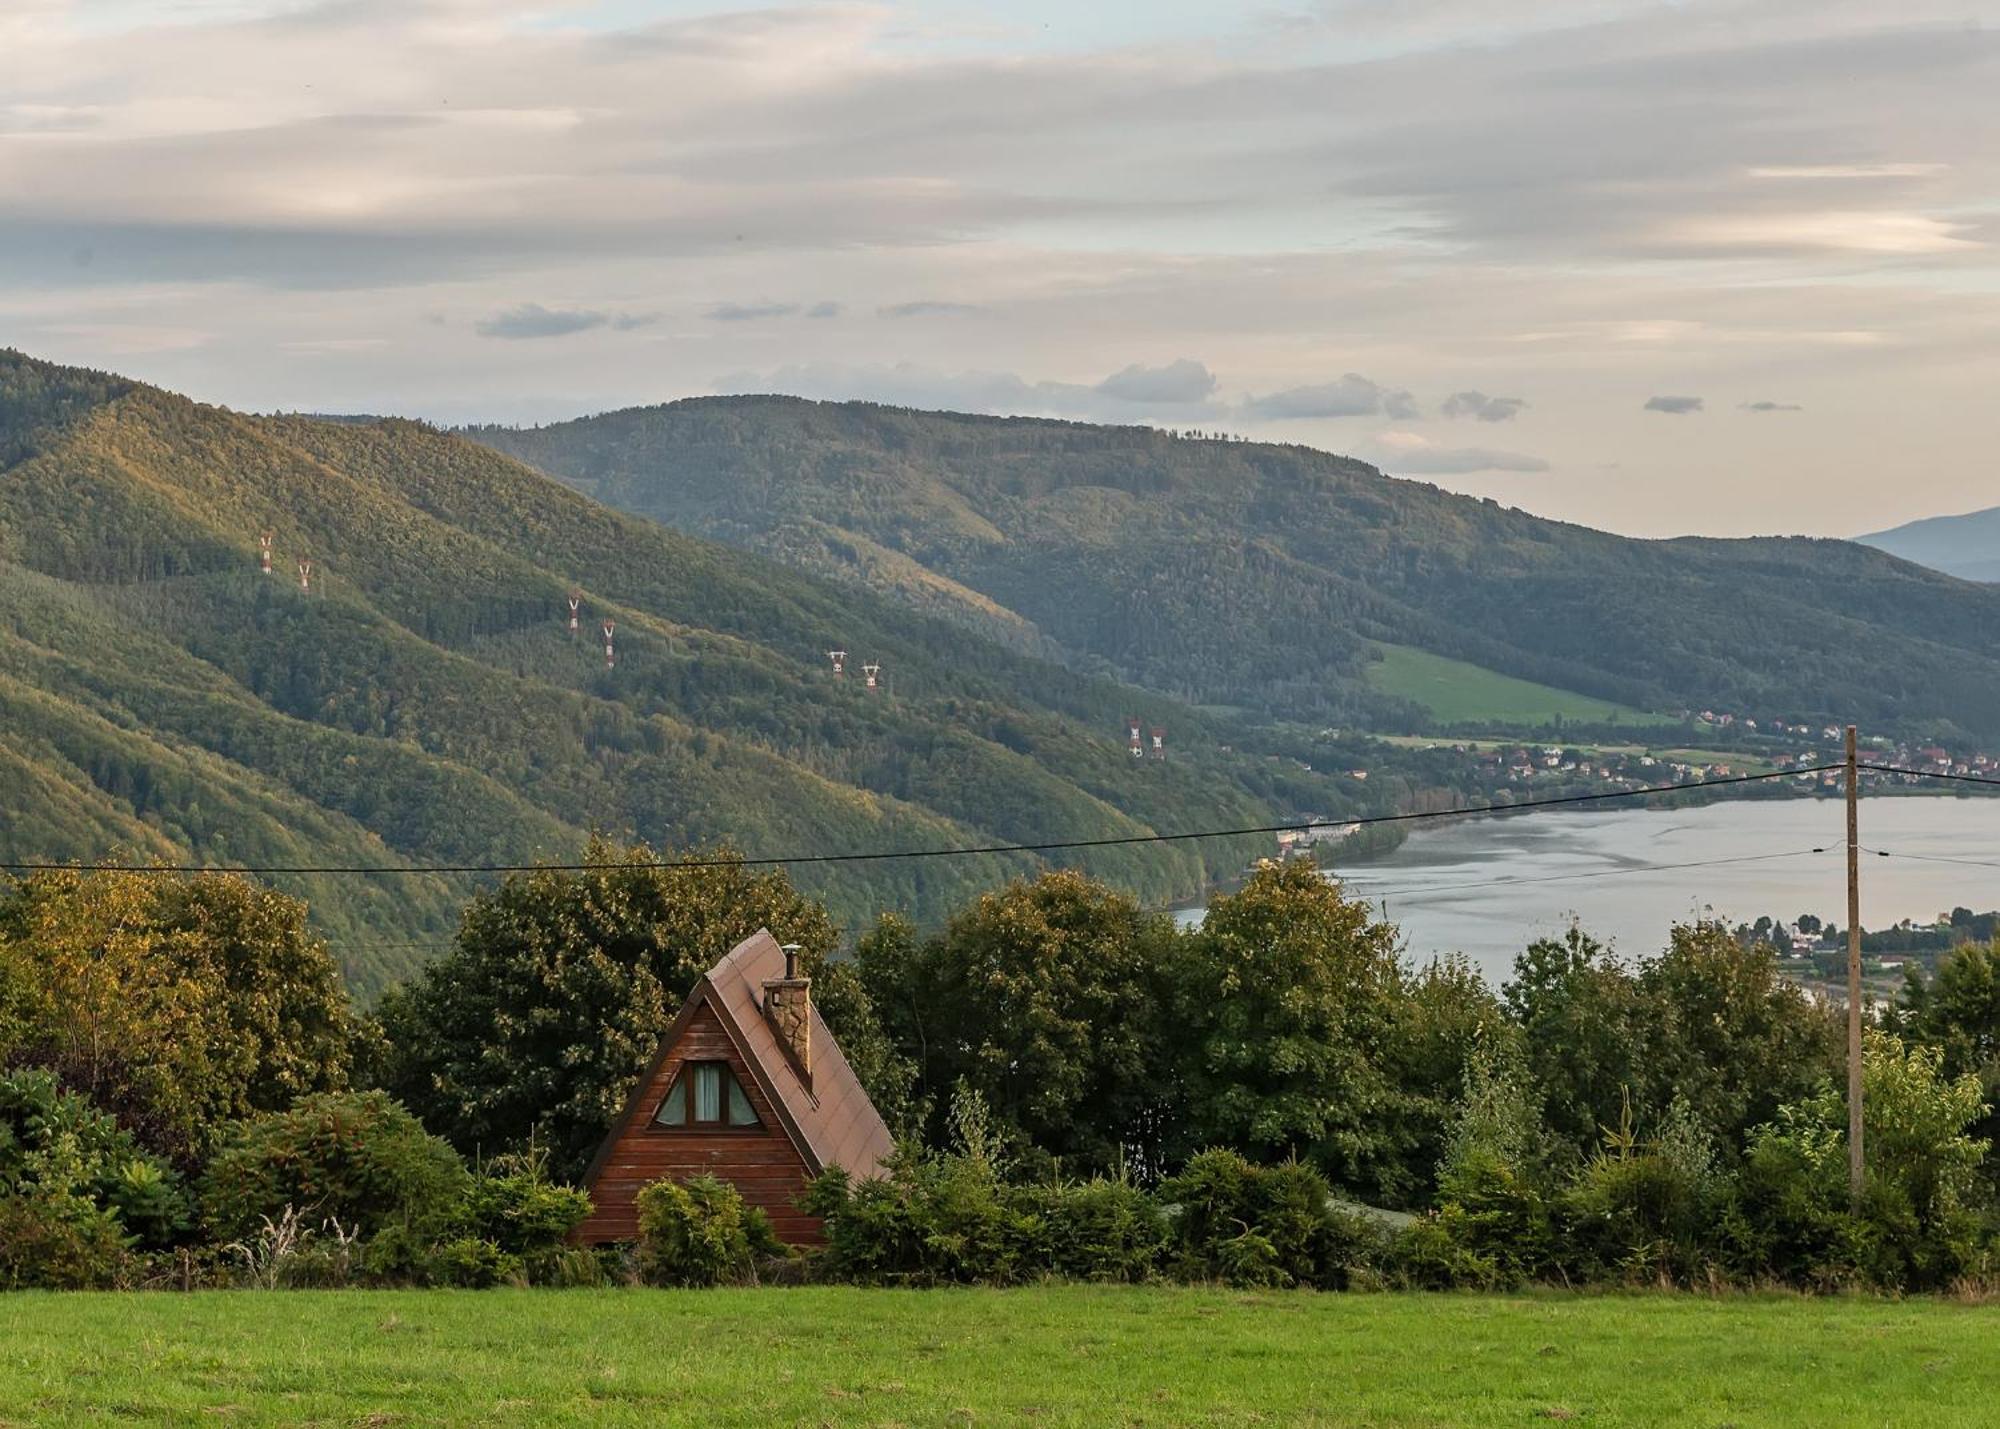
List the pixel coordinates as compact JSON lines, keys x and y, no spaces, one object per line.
{"x":749,"y":1085}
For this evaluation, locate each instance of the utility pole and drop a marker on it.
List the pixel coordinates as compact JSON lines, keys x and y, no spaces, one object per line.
{"x":1855,"y":1161}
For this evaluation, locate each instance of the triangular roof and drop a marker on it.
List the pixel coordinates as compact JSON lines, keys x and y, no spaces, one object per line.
{"x":831,"y":1121}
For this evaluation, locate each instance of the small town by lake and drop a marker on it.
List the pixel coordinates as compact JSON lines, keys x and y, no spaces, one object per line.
{"x":1486,"y":887}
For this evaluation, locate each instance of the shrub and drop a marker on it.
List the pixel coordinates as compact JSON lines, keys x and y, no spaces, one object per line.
{"x":53,"y":1235}
{"x":472,"y":1263}
{"x":1497,"y":1216}
{"x":1918,"y":1224}
{"x":355,"y":1157}
{"x":699,"y":1232}
{"x":1255,"y":1225}
{"x":1101,"y":1229}
{"x":513,"y":1204}
{"x":101,"y":1163}
{"x":1437,"y":1252}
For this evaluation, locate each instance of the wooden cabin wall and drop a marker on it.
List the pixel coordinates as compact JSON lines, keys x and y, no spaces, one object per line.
{"x":761,"y":1163}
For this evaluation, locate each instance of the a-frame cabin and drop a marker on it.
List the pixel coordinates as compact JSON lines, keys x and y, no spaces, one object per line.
{"x":748,"y":1084}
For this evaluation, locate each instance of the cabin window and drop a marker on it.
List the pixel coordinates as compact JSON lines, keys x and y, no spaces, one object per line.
{"x":706,"y":1094}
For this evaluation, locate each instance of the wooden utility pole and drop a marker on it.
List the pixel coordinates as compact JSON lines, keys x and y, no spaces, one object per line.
{"x":1855,"y":1162}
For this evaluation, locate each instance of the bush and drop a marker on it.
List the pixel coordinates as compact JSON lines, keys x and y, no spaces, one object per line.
{"x":699,"y":1232}
{"x":1102,"y":1229}
{"x":53,"y":1236}
{"x":355,"y":1157}
{"x":99,"y":1162}
{"x":513,"y":1204}
{"x":1919,"y":1222}
{"x":1644,"y":1211}
{"x":1497,"y":1222}
{"x":472,"y":1263}
{"x":1438,"y":1252}
{"x":1256,"y":1225}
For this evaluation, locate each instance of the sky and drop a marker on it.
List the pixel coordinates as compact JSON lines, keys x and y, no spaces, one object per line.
{"x":1716,"y":266}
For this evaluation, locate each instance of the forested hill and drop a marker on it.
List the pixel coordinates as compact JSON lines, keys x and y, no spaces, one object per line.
{"x":425,"y":702}
{"x":1247,"y":574}
{"x":1967,"y":546}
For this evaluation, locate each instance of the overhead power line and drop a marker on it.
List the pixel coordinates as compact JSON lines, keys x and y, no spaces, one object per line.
{"x":981,"y":850}
{"x":1930,"y":774}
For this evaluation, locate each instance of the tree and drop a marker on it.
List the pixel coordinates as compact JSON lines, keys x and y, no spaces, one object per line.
{"x":1708,"y":1020}
{"x":1727,"y":1033}
{"x":1957,"y":1012}
{"x":1446,"y":1021}
{"x":1289,"y":997}
{"x":1917,"y":1225}
{"x":1047,"y":999}
{"x":1581,"y":1033}
{"x":174,"y":1002}
{"x":560,"y":987}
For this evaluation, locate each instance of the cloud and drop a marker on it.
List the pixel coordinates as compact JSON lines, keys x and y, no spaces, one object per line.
{"x":1482,"y":407}
{"x":927,"y":308}
{"x":534,"y":320}
{"x":1352,"y":396}
{"x":1177,"y":392}
{"x":1183,"y":381}
{"x":827,"y":309}
{"x":1772,"y":407}
{"x":1673,"y":406}
{"x":1411,"y":454}
{"x":749,"y":312}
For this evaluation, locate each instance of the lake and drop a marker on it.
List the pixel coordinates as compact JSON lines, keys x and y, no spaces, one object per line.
{"x":1487,"y":887}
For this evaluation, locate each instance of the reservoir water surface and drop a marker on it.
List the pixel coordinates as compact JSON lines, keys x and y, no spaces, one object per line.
{"x":1487,"y":887}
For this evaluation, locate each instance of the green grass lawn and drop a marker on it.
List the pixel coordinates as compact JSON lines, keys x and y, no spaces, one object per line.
{"x":1058,"y":1355}
{"x":1458,"y":693}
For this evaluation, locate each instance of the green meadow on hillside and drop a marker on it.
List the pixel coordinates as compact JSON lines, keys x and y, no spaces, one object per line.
{"x":1459,"y":693}
{"x":1056,"y":1355}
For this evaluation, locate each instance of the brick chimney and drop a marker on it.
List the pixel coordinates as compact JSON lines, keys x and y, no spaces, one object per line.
{"x":788,"y":1006}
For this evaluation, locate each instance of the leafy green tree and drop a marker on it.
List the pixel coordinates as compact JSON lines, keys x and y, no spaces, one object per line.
{"x":1919,"y":1221}
{"x":174,"y":1002}
{"x":1728,"y":1034}
{"x":1289,"y":997}
{"x":1448,"y":1022}
{"x":1708,"y":1021}
{"x":1581,"y":1031}
{"x":560,"y":987}
{"x":1957,"y":1011}
{"x":1049,"y":1000}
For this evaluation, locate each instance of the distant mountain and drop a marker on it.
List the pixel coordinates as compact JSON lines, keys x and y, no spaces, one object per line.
{"x":1965,"y":546}
{"x":425,"y":702}
{"x":1270,"y":578}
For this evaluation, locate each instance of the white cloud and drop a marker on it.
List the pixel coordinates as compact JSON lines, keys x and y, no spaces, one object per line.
{"x":1351,"y":396}
{"x":1181,"y":382}
{"x":1482,"y":407}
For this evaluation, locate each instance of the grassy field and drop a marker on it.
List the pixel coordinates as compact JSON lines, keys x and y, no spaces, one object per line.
{"x":1060,"y":1355}
{"x":1458,"y":693}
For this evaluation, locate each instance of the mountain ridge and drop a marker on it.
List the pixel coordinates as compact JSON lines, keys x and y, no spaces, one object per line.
{"x":1965,"y":544}
{"x":1227,"y":572}
{"x":424,"y":703}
